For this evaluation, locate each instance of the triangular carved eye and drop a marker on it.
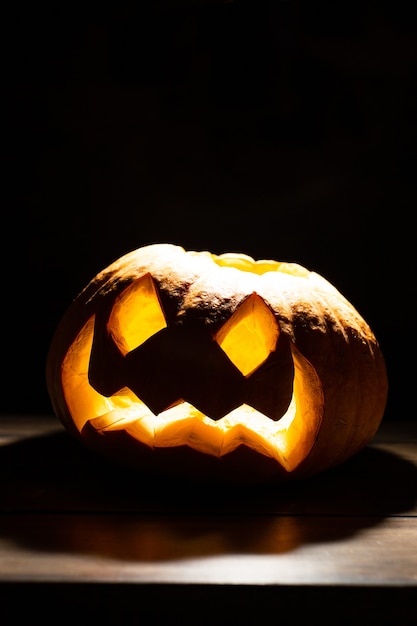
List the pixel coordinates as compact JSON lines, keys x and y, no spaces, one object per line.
{"x":136,"y":315}
{"x":250,"y":335}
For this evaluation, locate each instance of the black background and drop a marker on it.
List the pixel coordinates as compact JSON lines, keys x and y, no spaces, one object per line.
{"x":285,"y":130}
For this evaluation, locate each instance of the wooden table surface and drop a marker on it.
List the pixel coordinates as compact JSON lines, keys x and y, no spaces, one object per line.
{"x":93,"y":539}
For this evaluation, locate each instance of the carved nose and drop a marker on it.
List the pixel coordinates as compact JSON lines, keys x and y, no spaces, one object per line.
{"x":179,"y":364}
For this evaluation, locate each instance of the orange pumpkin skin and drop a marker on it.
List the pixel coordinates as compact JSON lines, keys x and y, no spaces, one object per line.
{"x":149,"y":367}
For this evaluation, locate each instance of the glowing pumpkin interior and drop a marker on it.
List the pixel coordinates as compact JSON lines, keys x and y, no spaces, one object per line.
{"x":250,"y":341}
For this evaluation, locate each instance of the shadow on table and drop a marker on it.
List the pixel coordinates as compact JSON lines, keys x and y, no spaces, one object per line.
{"x":57,"y":496}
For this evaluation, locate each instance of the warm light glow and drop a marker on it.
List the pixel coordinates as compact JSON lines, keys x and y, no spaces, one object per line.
{"x":245,"y":263}
{"x":250,"y":335}
{"x":130,"y":330}
{"x":83,"y":401}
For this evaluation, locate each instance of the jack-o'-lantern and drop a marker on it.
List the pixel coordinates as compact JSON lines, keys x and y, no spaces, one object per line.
{"x":216,"y":367}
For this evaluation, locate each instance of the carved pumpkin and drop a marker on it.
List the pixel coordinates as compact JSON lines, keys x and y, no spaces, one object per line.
{"x":216,"y":367}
